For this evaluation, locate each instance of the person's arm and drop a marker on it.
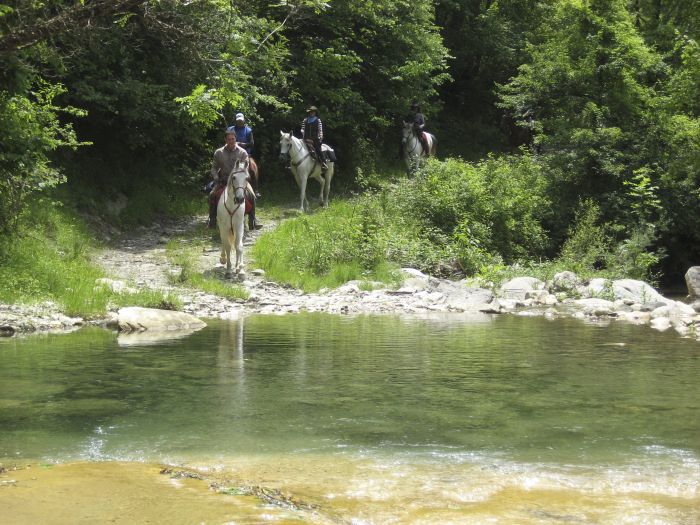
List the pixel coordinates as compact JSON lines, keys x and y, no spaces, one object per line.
{"x":251,"y":142}
{"x":215,"y":167}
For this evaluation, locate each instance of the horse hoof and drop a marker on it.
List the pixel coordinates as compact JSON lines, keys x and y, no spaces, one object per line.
{"x":222,"y":260}
{"x":228,"y":275}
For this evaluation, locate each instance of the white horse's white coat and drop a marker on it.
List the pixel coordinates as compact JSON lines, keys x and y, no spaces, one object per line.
{"x":413,"y":149}
{"x":304,"y":166}
{"x":230,"y":213}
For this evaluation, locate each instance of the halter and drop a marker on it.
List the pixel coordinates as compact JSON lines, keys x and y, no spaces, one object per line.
{"x":232,"y":212}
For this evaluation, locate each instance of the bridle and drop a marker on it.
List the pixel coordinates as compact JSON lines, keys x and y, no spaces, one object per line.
{"x":232,"y":212}
{"x":416,"y":145}
{"x":298,"y":148}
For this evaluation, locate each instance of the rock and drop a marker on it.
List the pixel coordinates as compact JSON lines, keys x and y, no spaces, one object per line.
{"x":137,"y":319}
{"x":416,"y":283}
{"x":595,"y":288}
{"x":412,"y":272}
{"x":637,"y":291}
{"x":404,"y":290}
{"x":596,"y":307}
{"x":493,"y":308}
{"x":565,"y":282}
{"x":7,"y":330}
{"x":351,"y":287}
{"x":519,"y":287}
{"x":696,"y":305}
{"x":258,"y":271}
{"x":537,"y":296}
{"x":661,"y":323}
{"x":692,"y":280}
{"x":636,"y":317}
{"x":551,"y":300}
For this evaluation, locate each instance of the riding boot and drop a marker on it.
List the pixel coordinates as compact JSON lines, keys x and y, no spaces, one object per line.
{"x":212,"y":211}
{"x":252,"y":223}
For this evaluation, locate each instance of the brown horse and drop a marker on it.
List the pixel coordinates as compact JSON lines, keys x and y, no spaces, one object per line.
{"x":254,"y":175}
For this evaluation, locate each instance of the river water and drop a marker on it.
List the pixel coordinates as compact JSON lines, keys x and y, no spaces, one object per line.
{"x":378,"y":419}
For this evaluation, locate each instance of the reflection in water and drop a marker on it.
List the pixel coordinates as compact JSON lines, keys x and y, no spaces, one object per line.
{"x":380,"y":419}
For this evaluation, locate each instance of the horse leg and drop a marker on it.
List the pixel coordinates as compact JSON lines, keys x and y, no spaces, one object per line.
{"x":302,"y":184}
{"x":327,"y":186}
{"x":238,"y":239}
{"x":322,"y":182}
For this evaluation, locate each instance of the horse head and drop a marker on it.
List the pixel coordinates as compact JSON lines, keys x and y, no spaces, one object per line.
{"x":285,"y":146}
{"x":406,"y":132}
{"x":238,"y":180}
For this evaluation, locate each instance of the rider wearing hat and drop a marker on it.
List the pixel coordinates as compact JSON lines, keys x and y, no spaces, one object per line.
{"x":312,"y":132}
{"x":244,"y":138}
{"x":418,"y":120}
{"x":244,"y":134}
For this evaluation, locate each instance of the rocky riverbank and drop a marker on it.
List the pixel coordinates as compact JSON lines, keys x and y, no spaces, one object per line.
{"x":139,"y":261}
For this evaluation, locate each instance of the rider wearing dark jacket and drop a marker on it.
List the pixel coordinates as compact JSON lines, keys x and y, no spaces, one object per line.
{"x":416,"y":117}
{"x":312,"y":131}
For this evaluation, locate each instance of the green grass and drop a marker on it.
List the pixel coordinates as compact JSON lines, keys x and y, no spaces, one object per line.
{"x":49,"y":260}
{"x":325,"y":249}
{"x":184,"y":254}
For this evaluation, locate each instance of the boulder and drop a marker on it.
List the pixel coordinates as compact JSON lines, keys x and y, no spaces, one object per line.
{"x":565,"y":282}
{"x":519,"y":287}
{"x":661,"y":323}
{"x":638,"y":291}
{"x":595,"y":288}
{"x":692,"y":280}
{"x":596,"y":307}
{"x":137,"y":319}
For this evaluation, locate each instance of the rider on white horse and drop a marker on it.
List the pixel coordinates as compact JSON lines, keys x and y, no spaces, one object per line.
{"x":225,"y":159}
{"x":416,"y":117}
{"x":312,"y":132}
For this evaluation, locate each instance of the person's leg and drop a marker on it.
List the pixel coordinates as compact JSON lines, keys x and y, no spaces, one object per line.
{"x":253,"y":224}
{"x":212,"y":208}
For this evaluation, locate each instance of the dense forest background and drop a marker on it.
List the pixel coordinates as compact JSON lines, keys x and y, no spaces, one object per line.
{"x":585,"y":113}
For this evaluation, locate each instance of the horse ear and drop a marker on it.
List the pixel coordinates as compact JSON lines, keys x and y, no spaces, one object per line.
{"x":281,"y":133}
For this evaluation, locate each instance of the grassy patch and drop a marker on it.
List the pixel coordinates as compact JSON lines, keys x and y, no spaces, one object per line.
{"x":326,"y":249}
{"x":48,"y":260}
{"x":184,"y":255}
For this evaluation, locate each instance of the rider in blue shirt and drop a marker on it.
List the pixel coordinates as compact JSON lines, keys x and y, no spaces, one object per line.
{"x":244,"y":138}
{"x":244,"y":134}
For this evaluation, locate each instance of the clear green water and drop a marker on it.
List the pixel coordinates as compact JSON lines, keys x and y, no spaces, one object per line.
{"x":450,"y":400}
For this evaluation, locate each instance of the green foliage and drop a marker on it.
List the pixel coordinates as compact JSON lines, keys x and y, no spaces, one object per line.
{"x":480,"y":212}
{"x":49,"y":260}
{"x":341,"y":243}
{"x":31,"y":131}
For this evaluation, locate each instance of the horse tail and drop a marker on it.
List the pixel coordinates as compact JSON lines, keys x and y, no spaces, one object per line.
{"x":433,"y":145}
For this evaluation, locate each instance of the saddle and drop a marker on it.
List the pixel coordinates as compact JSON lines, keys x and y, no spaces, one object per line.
{"x":221,"y":188}
{"x":327,"y":152}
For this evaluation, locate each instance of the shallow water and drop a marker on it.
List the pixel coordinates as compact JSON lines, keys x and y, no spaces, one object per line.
{"x":447,"y":419}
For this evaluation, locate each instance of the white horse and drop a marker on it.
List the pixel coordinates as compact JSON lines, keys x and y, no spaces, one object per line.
{"x":230,"y":213}
{"x":304,"y":166}
{"x":413,"y":149}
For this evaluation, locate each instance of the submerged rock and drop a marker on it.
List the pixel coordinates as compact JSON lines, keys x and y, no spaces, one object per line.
{"x":137,"y":319}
